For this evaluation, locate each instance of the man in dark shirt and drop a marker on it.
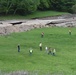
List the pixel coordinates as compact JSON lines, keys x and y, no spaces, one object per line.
{"x":18,"y":48}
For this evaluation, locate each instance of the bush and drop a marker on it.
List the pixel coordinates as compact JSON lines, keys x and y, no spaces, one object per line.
{"x":74,"y":8}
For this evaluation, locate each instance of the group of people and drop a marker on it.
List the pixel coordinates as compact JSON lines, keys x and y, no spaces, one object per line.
{"x":49,"y":50}
{"x":30,"y":51}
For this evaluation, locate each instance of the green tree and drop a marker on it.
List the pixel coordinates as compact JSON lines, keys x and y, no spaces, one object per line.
{"x":5,"y":6}
{"x":68,"y":5}
{"x":74,"y":8}
{"x":62,"y":5}
{"x":18,"y":6}
{"x":44,"y":5}
{"x":25,"y":7}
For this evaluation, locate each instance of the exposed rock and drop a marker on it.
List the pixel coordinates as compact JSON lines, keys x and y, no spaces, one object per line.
{"x":10,"y":26}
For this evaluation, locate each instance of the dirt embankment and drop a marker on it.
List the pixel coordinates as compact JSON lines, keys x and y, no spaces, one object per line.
{"x":10,"y":26}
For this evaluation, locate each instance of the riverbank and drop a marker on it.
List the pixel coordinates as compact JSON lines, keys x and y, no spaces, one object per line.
{"x":10,"y":26}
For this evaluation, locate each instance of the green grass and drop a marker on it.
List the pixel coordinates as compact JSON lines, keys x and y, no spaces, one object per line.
{"x":64,"y":63}
{"x":37,"y":14}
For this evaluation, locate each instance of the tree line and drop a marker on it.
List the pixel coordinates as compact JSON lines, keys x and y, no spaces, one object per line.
{"x":24,"y":7}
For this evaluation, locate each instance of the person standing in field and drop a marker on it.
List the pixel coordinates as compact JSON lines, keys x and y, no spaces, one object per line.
{"x":42,"y":34}
{"x":54,"y":52}
{"x":40,"y":45}
{"x":31,"y":51}
{"x":46,"y":48}
{"x":18,"y":48}
{"x":49,"y":50}
{"x":69,"y":32}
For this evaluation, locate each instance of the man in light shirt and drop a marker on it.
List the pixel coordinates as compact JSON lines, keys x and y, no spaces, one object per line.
{"x":40,"y":45}
{"x":31,"y":51}
{"x":46,"y":48}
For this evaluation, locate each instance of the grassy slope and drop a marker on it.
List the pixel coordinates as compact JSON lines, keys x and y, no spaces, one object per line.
{"x":64,"y":63}
{"x":34,"y":15}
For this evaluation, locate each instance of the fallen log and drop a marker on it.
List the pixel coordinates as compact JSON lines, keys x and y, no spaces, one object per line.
{"x":16,"y":23}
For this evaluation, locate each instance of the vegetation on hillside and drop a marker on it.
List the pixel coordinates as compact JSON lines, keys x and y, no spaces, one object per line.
{"x":24,"y":7}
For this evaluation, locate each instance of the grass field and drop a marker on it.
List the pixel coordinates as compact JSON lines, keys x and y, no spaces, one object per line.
{"x":37,"y":14}
{"x":39,"y":63}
